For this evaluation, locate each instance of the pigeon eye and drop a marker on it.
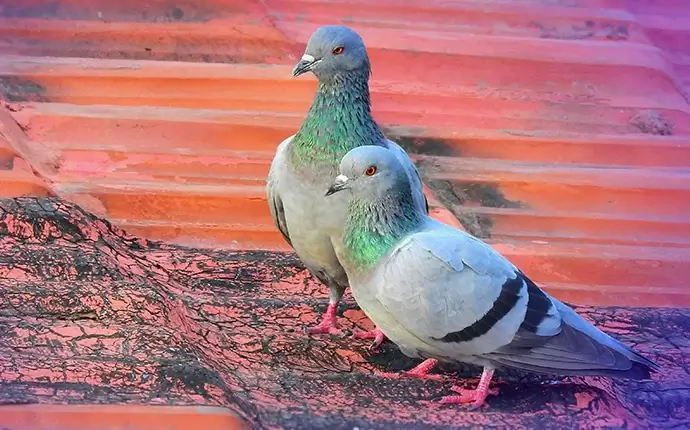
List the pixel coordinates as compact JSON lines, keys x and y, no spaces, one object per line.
{"x":371,"y":170}
{"x":338,"y":50}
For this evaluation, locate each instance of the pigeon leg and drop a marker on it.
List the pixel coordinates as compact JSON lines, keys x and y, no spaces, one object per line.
{"x":421,"y":371}
{"x":328,"y":324}
{"x":477,"y":396}
{"x":375,"y":334}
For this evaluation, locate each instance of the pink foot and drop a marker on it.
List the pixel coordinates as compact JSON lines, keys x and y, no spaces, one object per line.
{"x":476,"y":397}
{"x":328,"y":324}
{"x":375,"y":334}
{"x":421,"y":371}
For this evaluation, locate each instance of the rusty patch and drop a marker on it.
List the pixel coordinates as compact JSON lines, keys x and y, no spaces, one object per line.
{"x":7,"y":163}
{"x":422,"y":145}
{"x":475,"y":224}
{"x":459,"y":197}
{"x":588,"y":30}
{"x":486,"y":194}
{"x":455,"y":196}
{"x":478,"y":225}
{"x":12,"y":9}
{"x":616,"y":32}
{"x":173,"y":11}
{"x":651,"y":122}
{"x":16,"y":89}
{"x":254,"y":51}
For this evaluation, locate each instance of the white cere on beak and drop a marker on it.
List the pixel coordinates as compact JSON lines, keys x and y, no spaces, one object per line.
{"x":307,"y":57}
{"x":342,"y":179}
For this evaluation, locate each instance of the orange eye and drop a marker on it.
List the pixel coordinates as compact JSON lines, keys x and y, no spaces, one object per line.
{"x":371,"y":170}
{"x":338,"y":50}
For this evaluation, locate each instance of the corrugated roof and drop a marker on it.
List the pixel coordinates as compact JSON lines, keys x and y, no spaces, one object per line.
{"x":556,"y":130}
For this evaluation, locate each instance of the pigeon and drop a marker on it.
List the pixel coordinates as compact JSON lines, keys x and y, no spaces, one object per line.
{"x":304,"y":164}
{"x":443,"y":295}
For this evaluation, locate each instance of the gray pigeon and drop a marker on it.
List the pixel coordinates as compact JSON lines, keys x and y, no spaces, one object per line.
{"x":339,"y":119}
{"x":443,"y":295}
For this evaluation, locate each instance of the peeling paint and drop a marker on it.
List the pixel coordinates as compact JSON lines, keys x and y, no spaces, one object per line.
{"x":157,"y":327}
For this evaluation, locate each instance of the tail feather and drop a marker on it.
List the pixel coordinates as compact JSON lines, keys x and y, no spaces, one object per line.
{"x":571,"y":318}
{"x":580,"y":349}
{"x":637,"y":371}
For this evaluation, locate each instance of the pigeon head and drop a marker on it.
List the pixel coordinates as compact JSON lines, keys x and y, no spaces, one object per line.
{"x":333,"y":50}
{"x":371,"y":173}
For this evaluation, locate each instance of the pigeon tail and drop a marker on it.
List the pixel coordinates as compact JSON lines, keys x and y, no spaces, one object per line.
{"x":574,"y":353}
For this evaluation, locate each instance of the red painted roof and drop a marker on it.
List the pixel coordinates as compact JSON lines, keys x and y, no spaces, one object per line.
{"x":557,"y":130}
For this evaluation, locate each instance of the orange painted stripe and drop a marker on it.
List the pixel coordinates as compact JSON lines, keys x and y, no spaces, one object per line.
{"x":110,"y":417}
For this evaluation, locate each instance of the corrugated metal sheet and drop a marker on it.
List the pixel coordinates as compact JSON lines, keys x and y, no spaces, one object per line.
{"x":557,"y":130}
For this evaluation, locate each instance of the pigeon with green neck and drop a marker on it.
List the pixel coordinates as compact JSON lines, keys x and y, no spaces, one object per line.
{"x":339,"y":120}
{"x":444,"y":295}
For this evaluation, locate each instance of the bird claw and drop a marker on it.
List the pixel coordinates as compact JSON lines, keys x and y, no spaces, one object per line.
{"x":476,"y":397}
{"x":375,"y":334}
{"x":325,"y":327}
{"x":328,"y":324}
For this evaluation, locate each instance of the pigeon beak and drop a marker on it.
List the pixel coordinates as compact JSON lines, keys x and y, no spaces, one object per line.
{"x":340,"y":183}
{"x":305,"y":65}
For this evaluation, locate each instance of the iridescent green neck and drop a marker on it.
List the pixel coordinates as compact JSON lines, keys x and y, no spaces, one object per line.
{"x":374,"y":228}
{"x":339,"y":120}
